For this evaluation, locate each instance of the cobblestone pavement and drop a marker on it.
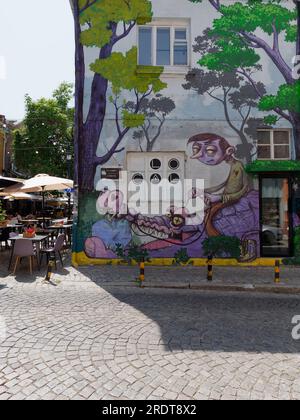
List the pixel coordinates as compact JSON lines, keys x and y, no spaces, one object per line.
{"x":83,"y":339}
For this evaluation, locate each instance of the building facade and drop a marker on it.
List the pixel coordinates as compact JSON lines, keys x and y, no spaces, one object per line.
{"x":172,"y":92}
{"x":6,"y":145}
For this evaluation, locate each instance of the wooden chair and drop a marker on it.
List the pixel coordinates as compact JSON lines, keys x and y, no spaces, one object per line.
{"x":22,"y":249}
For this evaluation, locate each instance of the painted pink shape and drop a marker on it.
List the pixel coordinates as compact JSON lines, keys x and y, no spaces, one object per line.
{"x":95,"y":248}
{"x":110,"y":201}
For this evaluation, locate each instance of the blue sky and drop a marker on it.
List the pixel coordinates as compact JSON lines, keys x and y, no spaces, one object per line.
{"x":36,"y":51}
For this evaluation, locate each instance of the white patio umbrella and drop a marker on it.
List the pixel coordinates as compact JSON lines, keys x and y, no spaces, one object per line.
{"x":6,"y":182}
{"x":42,"y":183}
{"x":22,"y":196}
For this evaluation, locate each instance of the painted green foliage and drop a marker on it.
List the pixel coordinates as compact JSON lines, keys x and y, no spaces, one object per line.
{"x":222,"y":246}
{"x":121,"y":70}
{"x":102,"y":13}
{"x":239,"y":45}
{"x":104,"y":23}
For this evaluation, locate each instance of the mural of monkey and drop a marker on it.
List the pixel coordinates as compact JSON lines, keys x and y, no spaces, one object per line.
{"x":212,"y":149}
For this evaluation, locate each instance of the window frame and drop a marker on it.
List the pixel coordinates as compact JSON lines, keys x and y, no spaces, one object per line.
{"x":272,"y":144}
{"x":173,"y":25}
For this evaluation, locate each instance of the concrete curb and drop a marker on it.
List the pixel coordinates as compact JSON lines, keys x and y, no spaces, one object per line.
{"x":276,"y":289}
{"x":252,"y":288}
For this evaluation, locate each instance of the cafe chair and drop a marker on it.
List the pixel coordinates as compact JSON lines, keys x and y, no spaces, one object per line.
{"x":22,"y":249}
{"x":54,"y":251}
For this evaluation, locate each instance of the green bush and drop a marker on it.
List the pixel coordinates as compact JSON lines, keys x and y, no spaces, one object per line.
{"x":222,"y":247}
{"x":134,"y":253}
{"x":181,"y":257}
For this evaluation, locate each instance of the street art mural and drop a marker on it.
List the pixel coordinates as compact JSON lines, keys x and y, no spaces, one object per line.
{"x":231,"y":209}
{"x":240,"y":78}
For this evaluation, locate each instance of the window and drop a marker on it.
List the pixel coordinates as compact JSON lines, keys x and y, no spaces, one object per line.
{"x":273,"y":144}
{"x":145,"y":43}
{"x":180,"y":47}
{"x":163,"y":45}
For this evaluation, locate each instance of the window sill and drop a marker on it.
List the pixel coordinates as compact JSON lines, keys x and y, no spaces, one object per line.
{"x":167,"y":70}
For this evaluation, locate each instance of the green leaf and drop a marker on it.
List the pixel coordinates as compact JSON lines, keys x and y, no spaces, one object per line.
{"x":132,"y":120}
{"x":287,"y":99}
{"x":271,"y":119}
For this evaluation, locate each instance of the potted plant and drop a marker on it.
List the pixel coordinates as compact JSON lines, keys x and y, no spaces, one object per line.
{"x":3,"y":217}
{"x":29,"y":233}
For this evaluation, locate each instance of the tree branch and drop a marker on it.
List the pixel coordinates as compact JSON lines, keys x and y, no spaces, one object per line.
{"x":215,"y":97}
{"x":275,"y":38}
{"x":245,"y":118}
{"x":117,"y":115}
{"x":275,"y":55}
{"x":87,"y":5}
{"x":253,"y":83}
{"x":216,"y":4}
{"x":117,"y":38}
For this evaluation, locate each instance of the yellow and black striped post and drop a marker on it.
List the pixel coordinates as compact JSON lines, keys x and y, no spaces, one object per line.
{"x":210,"y":268}
{"x":277,"y":271}
{"x":49,"y":270}
{"x":142,"y":273}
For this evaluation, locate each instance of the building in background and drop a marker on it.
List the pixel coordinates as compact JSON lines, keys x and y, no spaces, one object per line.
{"x":177,"y":89}
{"x":7,"y":128}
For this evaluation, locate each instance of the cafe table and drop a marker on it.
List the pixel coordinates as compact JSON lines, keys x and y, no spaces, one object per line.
{"x":37,"y":240}
{"x":63,"y":229}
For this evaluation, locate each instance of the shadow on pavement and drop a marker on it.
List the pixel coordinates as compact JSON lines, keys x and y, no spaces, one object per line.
{"x":191,"y":320}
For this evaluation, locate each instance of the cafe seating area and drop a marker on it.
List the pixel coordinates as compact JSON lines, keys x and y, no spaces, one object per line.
{"x":42,"y":239}
{"x":26,"y":238}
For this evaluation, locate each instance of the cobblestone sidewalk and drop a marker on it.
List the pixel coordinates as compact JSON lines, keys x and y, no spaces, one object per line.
{"x":80,"y":340}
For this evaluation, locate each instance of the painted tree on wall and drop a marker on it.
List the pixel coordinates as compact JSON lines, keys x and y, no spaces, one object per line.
{"x":121,"y":70}
{"x":229,"y":89}
{"x":239,"y":43}
{"x":101,"y":24}
{"x":156,"y":109}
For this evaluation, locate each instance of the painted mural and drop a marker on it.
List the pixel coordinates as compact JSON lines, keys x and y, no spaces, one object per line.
{"x":238,"y":80}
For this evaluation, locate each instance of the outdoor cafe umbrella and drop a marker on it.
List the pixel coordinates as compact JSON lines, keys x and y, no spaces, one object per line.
{"x":42,"y":183}
{"x":22,"y":196}
{"x":7,"y":182}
